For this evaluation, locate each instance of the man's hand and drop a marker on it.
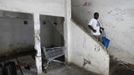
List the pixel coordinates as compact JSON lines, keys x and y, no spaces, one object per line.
{"x":102,"y":28}
{"x":91,"y":28}
{"x":94,"y":30}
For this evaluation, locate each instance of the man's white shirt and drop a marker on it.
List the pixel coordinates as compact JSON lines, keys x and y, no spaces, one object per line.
{"x":96,"y":25}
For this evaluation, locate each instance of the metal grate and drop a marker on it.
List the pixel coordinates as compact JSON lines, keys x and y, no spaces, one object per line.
{"x":52,"y":53}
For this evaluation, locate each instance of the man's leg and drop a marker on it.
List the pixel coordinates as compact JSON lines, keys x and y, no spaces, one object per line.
{"x":98,"y":38}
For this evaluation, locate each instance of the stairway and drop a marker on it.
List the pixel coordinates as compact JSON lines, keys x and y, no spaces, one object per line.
{"x":87,"y":52}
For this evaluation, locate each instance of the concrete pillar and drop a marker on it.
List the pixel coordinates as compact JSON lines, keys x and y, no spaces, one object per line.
{"x":66,"y":28}
{"x":37,"y":40}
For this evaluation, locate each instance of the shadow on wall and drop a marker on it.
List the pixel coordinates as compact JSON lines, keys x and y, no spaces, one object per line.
{"x":120,"y":68}
{"x":80,"y":14}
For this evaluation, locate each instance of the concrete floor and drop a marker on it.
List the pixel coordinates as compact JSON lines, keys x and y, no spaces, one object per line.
{"x":60,"y":69}
{"x":116,"y":68}
{"x":53,"y":69}
{"x":120,"y":68}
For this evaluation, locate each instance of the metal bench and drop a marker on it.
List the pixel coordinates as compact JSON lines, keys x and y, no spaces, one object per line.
{"x":51,"y":54}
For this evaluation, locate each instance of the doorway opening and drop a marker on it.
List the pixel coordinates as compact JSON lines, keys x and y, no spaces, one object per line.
{"x":52,"y":34}
{"x":16,"y":31}
{"x":52,"y":39}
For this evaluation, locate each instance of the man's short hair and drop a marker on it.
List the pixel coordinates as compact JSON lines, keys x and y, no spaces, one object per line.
{"x":96,"y":15}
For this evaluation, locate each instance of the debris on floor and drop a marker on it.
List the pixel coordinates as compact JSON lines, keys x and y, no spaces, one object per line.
{"x":25,"y":65}
{"x":121,"y":68}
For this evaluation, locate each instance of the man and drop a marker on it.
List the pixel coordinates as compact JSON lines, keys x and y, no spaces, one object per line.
{"x":94,"y":25}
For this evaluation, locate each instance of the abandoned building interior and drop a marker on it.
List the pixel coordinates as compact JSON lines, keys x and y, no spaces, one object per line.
{"x":52,"y":37}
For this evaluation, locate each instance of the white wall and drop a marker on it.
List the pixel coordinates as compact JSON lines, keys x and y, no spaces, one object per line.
{"x":15,"y":35}
{"x":84,"y":47}
{"x":117,"y":19}
{"x":47,"y":7}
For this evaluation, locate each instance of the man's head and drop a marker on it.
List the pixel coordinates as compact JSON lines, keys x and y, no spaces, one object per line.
{"x":96,"y":15}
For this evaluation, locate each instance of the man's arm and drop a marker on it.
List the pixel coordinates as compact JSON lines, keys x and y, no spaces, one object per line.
{"x":90,"y":25}
{"x":102,"y":28}
{"x":91,"y":28}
